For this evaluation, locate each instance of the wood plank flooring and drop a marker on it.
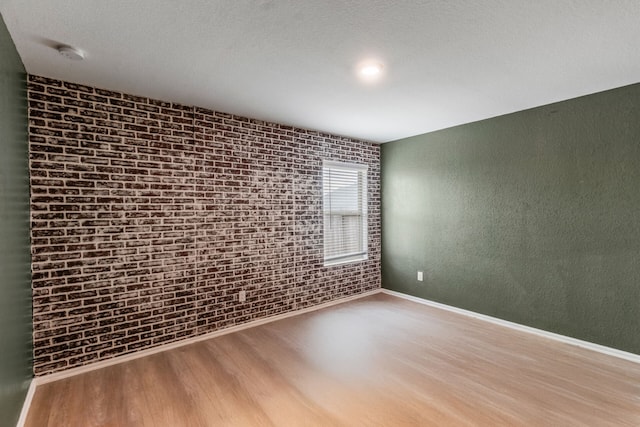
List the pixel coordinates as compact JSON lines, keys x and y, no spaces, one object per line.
{"x":377,"y":361}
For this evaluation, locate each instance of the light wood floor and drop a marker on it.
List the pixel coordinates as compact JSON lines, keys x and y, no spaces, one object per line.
{"x":377,"y":361}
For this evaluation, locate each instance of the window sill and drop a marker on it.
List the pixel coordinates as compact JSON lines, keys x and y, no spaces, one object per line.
{"x":342,"y":261}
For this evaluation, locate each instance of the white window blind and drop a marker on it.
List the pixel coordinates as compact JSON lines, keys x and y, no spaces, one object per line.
{"x":344,"y":191}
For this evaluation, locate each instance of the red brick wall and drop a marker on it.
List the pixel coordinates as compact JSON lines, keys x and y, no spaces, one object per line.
{"x":148,"y":217}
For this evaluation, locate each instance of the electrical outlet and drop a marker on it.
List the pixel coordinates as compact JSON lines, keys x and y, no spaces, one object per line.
{"x":420,"y":276}
{"x":242,"y":296}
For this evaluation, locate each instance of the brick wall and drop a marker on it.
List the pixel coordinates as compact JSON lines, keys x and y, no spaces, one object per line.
{"x":148,"y":217}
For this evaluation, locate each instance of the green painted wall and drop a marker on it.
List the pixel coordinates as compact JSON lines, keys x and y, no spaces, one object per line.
{"x":15,"y":278}
{"x":533,"y":217}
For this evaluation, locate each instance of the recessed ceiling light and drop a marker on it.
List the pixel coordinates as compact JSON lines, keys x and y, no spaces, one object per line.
{"x":370,"y":70}
{"x":71,"y":53}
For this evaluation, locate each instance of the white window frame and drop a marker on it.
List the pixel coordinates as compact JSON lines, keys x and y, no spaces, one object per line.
{"x":362,"y":212}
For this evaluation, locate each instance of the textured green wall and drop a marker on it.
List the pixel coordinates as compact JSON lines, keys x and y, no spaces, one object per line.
{"x":15,"y":279}
{"x":532,"y":217}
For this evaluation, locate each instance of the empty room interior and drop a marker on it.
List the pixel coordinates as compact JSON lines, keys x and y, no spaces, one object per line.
{"x":319,"y":213}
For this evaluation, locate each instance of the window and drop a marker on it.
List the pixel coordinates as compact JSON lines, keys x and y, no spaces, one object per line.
{"x":344,"y":194}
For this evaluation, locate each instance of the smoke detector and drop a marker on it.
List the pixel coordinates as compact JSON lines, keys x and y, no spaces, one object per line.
{"x":70,"y":52}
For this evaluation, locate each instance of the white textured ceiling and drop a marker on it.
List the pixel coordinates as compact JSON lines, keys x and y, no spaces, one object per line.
{"x":447,"y":62}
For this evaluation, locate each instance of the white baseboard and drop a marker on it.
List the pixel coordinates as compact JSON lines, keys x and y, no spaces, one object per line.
{"x":143,"y":353}
{"x":27,"y":403}
{"x":540,"y":332}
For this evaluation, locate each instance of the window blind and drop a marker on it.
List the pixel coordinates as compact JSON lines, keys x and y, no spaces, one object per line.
{"x":344,"y":191}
